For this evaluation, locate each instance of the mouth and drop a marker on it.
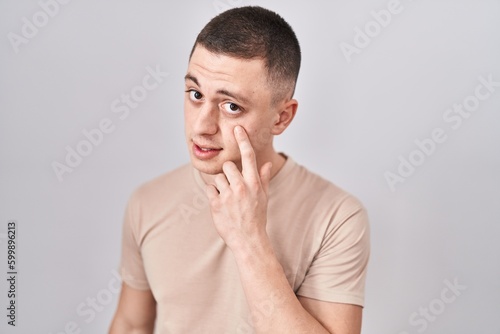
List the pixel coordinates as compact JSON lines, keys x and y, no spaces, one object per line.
{"x":205,"y":152}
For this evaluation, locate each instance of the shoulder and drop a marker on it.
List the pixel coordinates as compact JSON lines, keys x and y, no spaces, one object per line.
{"x":314,"y":188}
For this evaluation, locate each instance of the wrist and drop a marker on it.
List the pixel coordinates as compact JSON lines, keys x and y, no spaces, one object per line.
{"x":252,"y":248}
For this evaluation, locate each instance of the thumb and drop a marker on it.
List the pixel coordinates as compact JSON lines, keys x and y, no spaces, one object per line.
{"x":265,"y":175}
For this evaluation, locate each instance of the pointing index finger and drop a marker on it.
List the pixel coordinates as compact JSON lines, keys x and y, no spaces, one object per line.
{"x":248,"y":162}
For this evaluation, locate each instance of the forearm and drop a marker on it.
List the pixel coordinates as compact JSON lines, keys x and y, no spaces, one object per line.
{"x":273,"y":305}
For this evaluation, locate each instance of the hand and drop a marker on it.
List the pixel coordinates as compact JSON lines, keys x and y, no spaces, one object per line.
{"x":238,"y":201}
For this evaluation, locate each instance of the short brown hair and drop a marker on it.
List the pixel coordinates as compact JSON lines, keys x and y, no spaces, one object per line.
{"x":255,"y":32}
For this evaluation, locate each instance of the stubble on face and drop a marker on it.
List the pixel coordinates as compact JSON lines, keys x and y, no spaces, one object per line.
{"x":222,"y":80}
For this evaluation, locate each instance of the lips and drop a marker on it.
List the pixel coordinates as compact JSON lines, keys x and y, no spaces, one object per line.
{"x":206,"y":149}
{"x":205,"y":152}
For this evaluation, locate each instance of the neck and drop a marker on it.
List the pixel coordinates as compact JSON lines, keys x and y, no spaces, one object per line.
{"x":278,"y":162}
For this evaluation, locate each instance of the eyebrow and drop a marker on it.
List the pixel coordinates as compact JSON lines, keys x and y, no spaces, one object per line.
{"x":220,"y":91}
{"x":193,"y":79}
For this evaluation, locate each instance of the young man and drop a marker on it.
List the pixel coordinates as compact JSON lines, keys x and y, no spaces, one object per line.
{"x":243,"y":239}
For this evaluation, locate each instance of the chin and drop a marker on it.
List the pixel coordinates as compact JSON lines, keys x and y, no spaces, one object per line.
{"x":207,"y":167}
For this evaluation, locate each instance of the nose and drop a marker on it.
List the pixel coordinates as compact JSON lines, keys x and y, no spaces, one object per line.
{"x":207,"y":120}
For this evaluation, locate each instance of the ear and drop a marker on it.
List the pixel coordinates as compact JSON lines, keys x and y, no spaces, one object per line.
{"x":285,"y":115}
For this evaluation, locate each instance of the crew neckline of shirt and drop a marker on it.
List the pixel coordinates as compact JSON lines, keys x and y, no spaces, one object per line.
{"x":276,"y":181}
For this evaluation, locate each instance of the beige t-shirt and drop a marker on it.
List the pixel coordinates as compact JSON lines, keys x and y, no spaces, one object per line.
{"x":319,"y":232}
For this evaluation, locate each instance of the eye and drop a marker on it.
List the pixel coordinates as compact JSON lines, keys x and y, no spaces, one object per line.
{"x":231,"y":108}
{"x":194,"y":95}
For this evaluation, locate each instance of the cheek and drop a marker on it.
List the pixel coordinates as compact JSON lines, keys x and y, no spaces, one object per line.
{"x":188,"y":105}
{"x":189,"y":114}
{"x":186,"y":112}
{"x":260,"y":137}
{"x":226,"y":129}
{"x":258,"y":132}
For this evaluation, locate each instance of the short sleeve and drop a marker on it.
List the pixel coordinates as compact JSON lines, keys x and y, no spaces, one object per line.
{"x":338,"y":270}
{"x":131,"y":264}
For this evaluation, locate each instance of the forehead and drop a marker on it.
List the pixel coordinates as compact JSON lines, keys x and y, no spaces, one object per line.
{"x":218,"y":69}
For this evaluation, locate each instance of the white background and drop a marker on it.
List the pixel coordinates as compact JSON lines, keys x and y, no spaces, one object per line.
{"x":354,"y":121}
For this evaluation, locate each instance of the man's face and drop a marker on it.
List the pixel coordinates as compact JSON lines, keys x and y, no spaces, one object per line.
{"x":222,"y":92}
